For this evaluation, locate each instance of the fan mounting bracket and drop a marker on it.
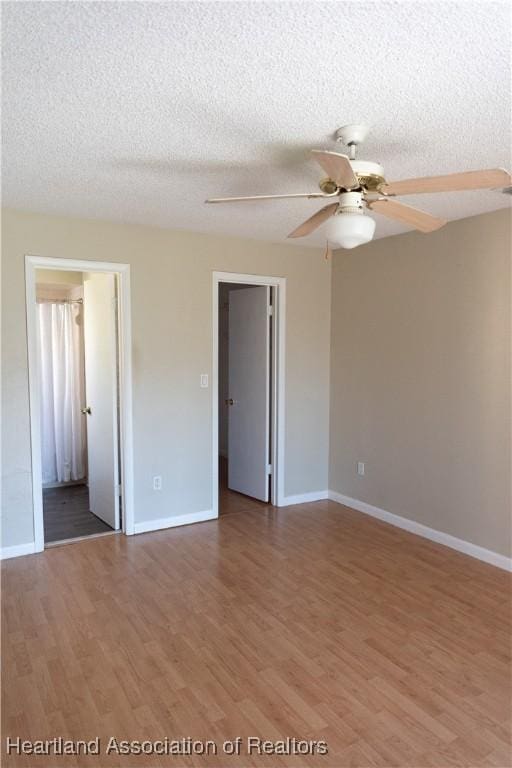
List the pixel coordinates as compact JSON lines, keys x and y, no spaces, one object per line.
{"x":352,"y":135}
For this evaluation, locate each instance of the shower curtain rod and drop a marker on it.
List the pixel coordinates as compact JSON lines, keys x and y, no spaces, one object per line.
{"x":59,"y":301}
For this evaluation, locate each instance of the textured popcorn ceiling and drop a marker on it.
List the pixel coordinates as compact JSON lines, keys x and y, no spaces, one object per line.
{"x":139,"y":111}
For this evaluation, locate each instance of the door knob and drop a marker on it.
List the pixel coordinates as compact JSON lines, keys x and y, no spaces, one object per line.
{"x":87,"y":410}
{"x":229,"y":401}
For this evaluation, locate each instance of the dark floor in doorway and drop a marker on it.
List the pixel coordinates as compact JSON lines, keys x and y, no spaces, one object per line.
{"x":231,"y":501}
{"x":66,"y":514}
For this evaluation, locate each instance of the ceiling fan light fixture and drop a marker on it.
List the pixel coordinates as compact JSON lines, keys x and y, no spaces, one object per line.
{"x":350,"y":180}
{"x":349,"y":229}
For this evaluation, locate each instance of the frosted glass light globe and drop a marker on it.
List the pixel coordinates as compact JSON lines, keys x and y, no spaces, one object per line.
{"x":350,"y":229}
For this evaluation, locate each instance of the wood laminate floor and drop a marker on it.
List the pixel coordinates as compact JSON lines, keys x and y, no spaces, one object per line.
{"x":67,"y":516}
{"x":313,"y":621}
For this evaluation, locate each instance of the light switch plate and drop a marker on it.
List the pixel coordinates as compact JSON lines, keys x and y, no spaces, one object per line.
{"x":204,"y":380}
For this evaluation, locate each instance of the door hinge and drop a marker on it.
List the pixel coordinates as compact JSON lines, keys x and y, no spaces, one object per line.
{"x":269,"y":469}
{"x":270,"y":310}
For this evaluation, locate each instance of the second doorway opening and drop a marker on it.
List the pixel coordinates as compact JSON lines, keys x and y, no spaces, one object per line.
{"x":245,"y":365}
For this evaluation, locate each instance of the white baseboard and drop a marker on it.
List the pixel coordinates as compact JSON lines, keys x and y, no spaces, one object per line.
{"x":304,"y":498}
{"x":487,"y":555}
{"x":171,"y":522}
{"x":17,"y":551}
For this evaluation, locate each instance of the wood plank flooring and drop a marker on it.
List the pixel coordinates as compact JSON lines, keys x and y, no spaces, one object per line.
{"x":314,"y":622}
{"x":67,"y":515}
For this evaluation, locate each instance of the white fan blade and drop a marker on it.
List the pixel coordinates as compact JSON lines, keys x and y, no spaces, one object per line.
{"x":452,"y":182}
{"x":406,"y":214}
{"x":309,"y":195}
{"x":337,"y":167}
{"x":314,"y":221}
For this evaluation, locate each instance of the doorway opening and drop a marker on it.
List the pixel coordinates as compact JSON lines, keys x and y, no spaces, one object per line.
{"x":80,"y":399}
{"x":248,"y":391}
{"x":78,"y":352}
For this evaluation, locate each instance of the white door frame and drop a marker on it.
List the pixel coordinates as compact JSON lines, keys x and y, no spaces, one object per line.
{"x":122,"y":271}
{"x":277,"y":448}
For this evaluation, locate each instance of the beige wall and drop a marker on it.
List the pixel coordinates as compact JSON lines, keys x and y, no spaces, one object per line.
{"x":420,"y":377}
{"x":420,"y":358}
{"x":171,"y":276}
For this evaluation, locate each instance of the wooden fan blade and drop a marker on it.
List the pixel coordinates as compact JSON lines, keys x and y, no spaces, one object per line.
{"x":314,"y":221}
{"x":267,"y":197}
{"x":406,"y":214}
{"x":453,"y":182}
{"x":337,"y":167}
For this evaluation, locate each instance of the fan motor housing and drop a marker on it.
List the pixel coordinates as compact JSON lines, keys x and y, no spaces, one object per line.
{"x":370,"y":176}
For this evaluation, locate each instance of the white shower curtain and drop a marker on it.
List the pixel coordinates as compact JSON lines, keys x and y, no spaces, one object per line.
{"x":61,"y":366}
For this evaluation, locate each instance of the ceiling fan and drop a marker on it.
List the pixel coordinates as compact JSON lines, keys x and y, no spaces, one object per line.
{"x":354,"y":185}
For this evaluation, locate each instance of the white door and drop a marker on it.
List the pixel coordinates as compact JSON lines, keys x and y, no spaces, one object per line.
{"x":101,"y":396}
{"x":249,"y":391}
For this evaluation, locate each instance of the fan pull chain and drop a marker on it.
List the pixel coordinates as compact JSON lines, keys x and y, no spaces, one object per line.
{"x":328,"y":252}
